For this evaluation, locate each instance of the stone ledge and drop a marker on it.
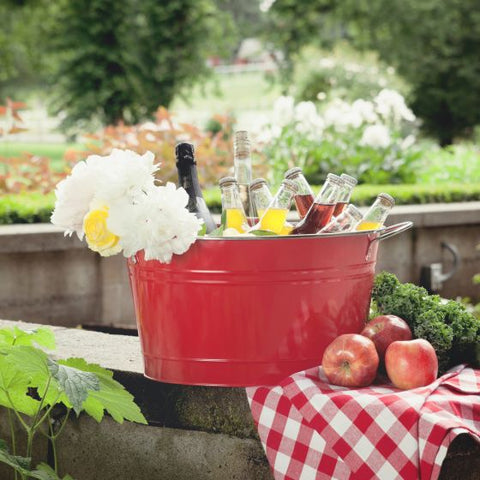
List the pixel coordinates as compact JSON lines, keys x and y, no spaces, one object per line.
{"x":207,"y":432}
{"x":45,"y":237}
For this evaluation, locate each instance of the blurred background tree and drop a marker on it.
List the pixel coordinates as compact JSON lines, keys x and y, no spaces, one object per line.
{"x":434,"y":45}
{"x":118,"y":61}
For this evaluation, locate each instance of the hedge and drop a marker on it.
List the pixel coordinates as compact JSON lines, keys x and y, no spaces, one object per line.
{"x":404,"y":194}
{"x":37,"y":208}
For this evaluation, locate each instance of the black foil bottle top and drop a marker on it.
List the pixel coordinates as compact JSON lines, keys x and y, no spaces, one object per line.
{"x":185,"y":153}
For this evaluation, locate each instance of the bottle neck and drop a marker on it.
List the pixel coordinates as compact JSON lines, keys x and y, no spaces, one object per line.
{"x":329,"y":193}
{"x":231,"y":198}
{"x":378,"y":212}
{"x":188,"y":178}
{"x":283,"y":198}
{"x":261,"y":197}
{"x":243,"y":169}
{"x":302,"y":184}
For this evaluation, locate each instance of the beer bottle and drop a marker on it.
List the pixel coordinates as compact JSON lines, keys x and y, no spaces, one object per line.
{"x":345,"y":193}
{"x":322,"y":208}
{"x":188,"y":179}
{"x":232,"y":206}
{"x":275,"y":216}
{"x":304,"y":197}
{"x":345,"y":222}
{"x":377,"y":213}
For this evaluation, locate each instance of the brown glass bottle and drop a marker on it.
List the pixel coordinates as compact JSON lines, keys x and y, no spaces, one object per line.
{"x":322,"y":208}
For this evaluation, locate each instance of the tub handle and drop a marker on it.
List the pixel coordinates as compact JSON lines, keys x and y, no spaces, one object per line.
{"x":384,"y":233}
{"x":388,"y":232}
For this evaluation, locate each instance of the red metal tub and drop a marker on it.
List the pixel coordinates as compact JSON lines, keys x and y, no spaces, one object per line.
{"x":251,"y":311}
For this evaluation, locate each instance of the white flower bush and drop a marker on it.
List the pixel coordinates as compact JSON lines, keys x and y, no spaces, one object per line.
{"x":114,"y":203}
{"x":371,"y":139}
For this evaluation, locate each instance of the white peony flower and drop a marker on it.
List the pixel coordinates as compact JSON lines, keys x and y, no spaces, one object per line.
{"x":376,"y":136}
{"x":308,"y":121}
{"x":341,"y":116}
{"x":366,"y":110}
{"x":391,"y":104}
{"x":73,"y":197}
{"x":100,"y":180}
{"x":283,"y":110}
{"x":124,"y":174}
{"x":156,"y":222}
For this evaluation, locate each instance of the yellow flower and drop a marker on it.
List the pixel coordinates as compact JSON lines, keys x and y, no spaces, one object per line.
{"x":98,"y":237}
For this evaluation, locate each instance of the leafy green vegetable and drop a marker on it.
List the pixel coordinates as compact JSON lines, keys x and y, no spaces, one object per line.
{"x":453,"y":332}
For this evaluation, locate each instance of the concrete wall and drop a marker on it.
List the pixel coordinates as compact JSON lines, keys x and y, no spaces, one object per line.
{"x":50,"y":279}
{"x":205,"y":433}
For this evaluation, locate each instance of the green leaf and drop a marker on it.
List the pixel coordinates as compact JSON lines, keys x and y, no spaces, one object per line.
{"x":19,"y":464}
{"x":202,"y":231}
{"x":218,"y":232}
{"x":75,"y":383}
{"x":262,"y":233}
{"x":46,"y":472}
{"x":16,"y":383}
{"x":111,"y":396}
{"x":35,"y":364}
{"x":32,"y":362}
{"x":16,"y":336}
{"x":223,"y":219}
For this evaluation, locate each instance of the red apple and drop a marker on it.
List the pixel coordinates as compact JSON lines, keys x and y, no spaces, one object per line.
{"x":385,"y":329}
{"x":411,"y":363}
{"x":351,"y":360}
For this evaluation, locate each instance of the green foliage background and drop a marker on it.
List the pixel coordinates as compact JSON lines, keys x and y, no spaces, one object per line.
{"x":434,"y":45}
{"x":119,"y":61}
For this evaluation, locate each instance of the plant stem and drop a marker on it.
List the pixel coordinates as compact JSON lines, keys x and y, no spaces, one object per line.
{"x":52,"y":436}
{"x":12,"y":435}
{"x":20,"y":419}
{"x":49,"y":409}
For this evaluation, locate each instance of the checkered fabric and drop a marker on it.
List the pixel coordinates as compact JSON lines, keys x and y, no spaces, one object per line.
{"x":313,"y":430}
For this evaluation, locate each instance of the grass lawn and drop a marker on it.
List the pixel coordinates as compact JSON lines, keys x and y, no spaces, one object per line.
{"x":246,"y":95}
{"x":53,"y":151}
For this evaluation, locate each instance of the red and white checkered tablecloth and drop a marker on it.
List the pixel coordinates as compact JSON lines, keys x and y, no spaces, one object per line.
{"x":313,"y":430}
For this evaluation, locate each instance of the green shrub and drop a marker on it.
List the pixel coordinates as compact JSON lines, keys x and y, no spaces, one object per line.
{"x":26,"y":208}
{"x":37,"y":208}
{"x":364,"y":195}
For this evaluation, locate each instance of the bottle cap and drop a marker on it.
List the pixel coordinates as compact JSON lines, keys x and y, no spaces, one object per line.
{"x":241,"y":145}
{"x":292,"y":172}
{"x":227,"y":180}
{"x":289,"y":184}
{"x":388,"y":198}
{"x":348,"y":179}
{"x":257,"y":182}
{"x":185,"y":151}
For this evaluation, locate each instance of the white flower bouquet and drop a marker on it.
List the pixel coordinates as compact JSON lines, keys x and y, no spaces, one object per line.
{"x":115,"y":203}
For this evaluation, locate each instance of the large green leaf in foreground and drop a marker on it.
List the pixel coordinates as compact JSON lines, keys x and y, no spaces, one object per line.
{"x":111,"y":395}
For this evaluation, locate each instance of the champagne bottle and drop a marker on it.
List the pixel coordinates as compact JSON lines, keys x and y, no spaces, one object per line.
{"x":188,"y":179}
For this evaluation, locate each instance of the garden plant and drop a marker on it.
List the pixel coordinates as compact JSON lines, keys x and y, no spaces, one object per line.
{"x":40,"y":394}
